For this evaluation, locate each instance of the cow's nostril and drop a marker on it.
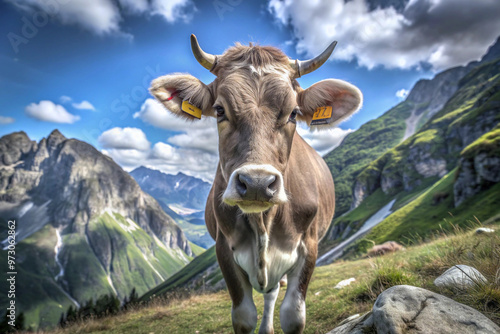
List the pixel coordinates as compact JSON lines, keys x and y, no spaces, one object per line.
{"x":271,"y":185}
{"x":241,"y":185}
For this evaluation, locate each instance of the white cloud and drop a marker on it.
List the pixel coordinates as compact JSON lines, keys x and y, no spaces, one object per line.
{"x":323,"y":141}
{"x":6,"y":120}
{"x":402,"y":93}
{"x":173,"y":10}
{"x":134,"y":150}
{"x":97,"y":16}
{"x":125,"y":139}
{"x":65,"y":99}
{"x":83,"y":105}
{"x":104,"y":16}
{"x":197,"y":134}
{"x":48,"y":111}
{"x":134,"y":6}
{"x":443,"y":33}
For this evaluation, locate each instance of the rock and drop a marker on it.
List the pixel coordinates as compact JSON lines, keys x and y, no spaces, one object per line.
{"x":344,"y":283}
{"x":386,"y":247}
{"x":411,"y":310}
{"x":460,"y":276}
{"x":349,"y":319}
{"x":13,"y":147}
{"x":479,"y":167}
{"x":483,"y":230}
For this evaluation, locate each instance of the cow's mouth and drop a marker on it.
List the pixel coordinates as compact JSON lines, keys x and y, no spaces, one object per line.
{"x":251,"y":206}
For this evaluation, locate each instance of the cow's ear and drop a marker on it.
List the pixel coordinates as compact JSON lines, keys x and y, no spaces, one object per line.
{"x":173,"y":89}
{"x":332,"y":100}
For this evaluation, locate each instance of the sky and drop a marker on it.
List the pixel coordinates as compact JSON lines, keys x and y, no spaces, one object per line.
{"x":84,"y":66}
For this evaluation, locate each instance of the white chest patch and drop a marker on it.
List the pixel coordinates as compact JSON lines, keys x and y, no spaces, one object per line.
{"x":277,"y":264}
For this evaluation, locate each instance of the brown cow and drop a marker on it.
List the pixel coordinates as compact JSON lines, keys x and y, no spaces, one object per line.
{"x":273,"y":198}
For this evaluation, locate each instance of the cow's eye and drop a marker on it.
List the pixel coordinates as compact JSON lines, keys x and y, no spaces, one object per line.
{"x":219,"y":111}
{"x":293,"y":116}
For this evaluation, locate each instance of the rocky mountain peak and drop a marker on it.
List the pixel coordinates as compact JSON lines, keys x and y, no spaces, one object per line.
{"x":13,"y":146}
{"x":493,"y":52}
{"x":54,"y":139}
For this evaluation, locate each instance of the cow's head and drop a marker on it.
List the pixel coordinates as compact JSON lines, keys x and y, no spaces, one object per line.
{"x":257,"y":102}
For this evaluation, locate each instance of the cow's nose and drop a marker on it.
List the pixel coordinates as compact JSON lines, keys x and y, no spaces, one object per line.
{"x":260,"y":187}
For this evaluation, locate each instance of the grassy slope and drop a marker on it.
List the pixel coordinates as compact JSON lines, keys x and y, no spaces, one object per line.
{"x":199,"y":265}
{"x":463,"y":107}
{"x":197,"y":250}
{"x":362,"y":147}
{"x":35,"y":279}
{"x":41,"y":298}
{"x":327,"y":306}
{"x":128,"y":266}
{"x":422,"y":217}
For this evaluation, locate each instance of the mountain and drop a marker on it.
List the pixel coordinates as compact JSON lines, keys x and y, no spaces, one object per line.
{"x":433,"y":155}
{"x":375,"y":137}
{"x":182,"y":196}
{"x":84,"y":227}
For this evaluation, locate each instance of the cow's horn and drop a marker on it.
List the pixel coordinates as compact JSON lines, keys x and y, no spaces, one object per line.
{"x":303,"y":67}
{"x":206,"y":60}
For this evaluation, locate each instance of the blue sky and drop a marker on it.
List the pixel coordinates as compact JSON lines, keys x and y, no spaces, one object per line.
{"x":84,"y":67}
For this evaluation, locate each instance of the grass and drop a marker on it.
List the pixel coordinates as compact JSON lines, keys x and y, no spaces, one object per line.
{"x":197,"y":250}
{"x":421,"y":217}
{"x":42,"y":299}
{"x":196,"y":267}
{"x":360,"y":148}
{"x":488,"y":143}
{"x":327,"y":306}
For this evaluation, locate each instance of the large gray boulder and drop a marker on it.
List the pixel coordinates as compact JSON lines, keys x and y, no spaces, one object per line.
{"x":411,"y":310}
{"x":460,"y":276}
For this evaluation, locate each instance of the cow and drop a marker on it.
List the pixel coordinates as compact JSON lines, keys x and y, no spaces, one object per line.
{"x":272,"y":198}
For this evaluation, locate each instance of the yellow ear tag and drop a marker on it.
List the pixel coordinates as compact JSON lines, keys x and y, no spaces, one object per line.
{"x":322,"y":115}
{"x":188,"y":108}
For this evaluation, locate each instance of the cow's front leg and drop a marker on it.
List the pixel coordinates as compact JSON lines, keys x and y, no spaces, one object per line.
{"x":244,"y":312}
{"x":266,"y":326}
{"x":293,"y":309}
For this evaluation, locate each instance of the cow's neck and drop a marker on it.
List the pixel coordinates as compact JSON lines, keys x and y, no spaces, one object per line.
{"x":260,"y":224}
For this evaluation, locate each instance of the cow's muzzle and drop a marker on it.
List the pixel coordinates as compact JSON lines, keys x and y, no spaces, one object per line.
{"x":255,"y":188}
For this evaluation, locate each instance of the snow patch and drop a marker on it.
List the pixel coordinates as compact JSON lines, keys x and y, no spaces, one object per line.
{"x":411,"y":124}
{"x":337,"y":251}
{"x":131,"y":225}
{"x":25,"y":208}
{"x":182,"y":210}
{"x":149,"y":263}
{"x":57,"y":249}
{"x":111,"y":284}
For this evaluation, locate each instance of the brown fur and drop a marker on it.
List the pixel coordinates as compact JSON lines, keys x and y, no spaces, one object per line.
{"x":255,"y":86}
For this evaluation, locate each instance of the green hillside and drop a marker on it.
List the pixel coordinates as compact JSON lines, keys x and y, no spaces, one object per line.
{"x":189,"y":273}
{"x":326,"y":306}
{"x":141,"y":262}
{"x":416,"y":168}
{"x":362,"y":147}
